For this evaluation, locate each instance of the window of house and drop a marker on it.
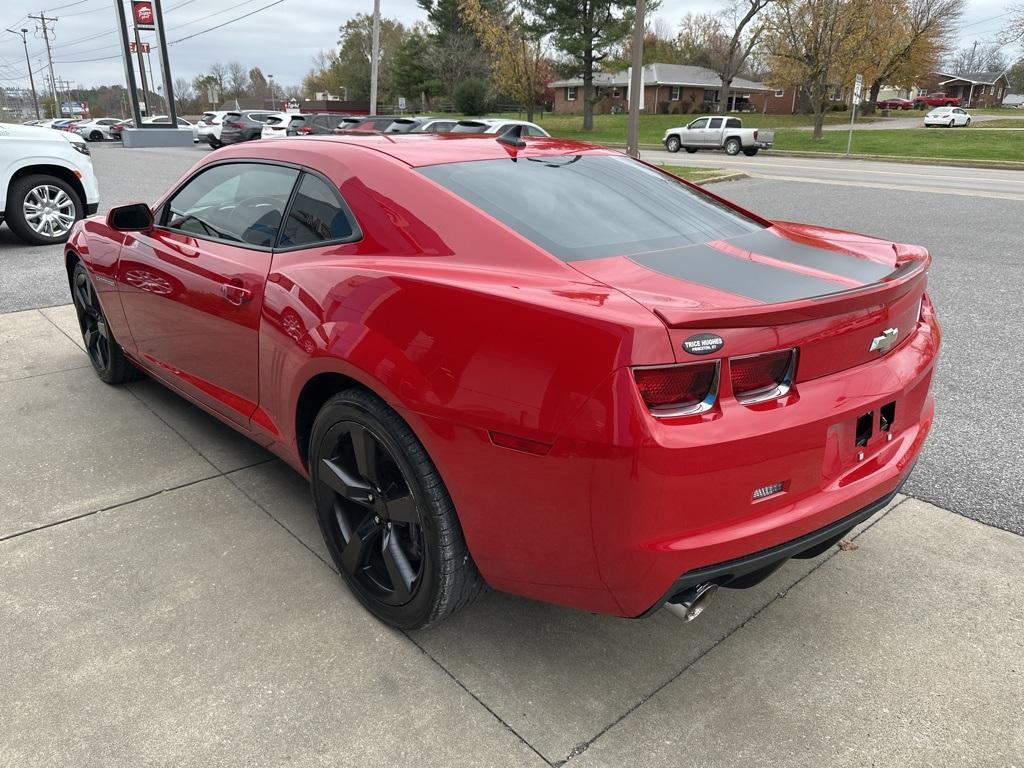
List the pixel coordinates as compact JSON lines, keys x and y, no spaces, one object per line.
{"x":616,"y":93}
{"x":570,"y":93}
{"x":674,"y":93}
{"x":711,"y":96}
{"x":780,"y":93}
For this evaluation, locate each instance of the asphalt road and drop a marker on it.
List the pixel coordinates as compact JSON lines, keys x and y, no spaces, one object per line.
{"x":877,"y":175}
{"x":969,"y":218}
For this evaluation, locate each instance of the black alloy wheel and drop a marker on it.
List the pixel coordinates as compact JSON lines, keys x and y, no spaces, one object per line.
{"x":377,"y":528}
{"x":385,"y":516}
{"x":104,"y":352}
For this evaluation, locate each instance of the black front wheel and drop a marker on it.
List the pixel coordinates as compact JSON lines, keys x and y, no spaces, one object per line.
{"x":385,"y":515}
{"x":104,"y":352}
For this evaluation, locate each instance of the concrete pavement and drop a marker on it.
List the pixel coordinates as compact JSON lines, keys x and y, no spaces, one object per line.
{"x":910,"y":119}
{"x":189,"y":617}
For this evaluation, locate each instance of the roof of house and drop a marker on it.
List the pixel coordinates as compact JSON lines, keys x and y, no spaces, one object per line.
{"x":667,"y":74}
{"x":978,"y":78}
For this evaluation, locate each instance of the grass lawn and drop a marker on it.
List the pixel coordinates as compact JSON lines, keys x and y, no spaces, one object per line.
{"x":611,"y":129}
{"x":946,"y":143}
{"x":696,"y":175}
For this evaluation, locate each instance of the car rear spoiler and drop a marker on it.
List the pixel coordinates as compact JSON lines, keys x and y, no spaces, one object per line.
{"x":906,"y":278}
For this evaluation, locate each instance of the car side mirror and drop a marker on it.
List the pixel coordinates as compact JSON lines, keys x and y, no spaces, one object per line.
{"x":134,"y":217}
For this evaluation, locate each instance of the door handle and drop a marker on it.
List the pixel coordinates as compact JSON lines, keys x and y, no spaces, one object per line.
{"x":236,"y":294}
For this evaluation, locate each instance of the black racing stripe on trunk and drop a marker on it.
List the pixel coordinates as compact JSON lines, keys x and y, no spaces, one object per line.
{"x":767,"y":244}
{"x":704,"y":265}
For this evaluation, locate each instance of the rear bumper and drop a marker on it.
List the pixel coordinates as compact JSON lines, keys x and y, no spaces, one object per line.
{"x":750,"y":570}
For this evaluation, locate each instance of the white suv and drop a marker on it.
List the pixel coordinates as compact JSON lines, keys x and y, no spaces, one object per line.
{"x":46,"y":182}
{"x":209,"y":126}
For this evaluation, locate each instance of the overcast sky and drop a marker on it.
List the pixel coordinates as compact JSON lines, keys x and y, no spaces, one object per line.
{"x":281,"y":39}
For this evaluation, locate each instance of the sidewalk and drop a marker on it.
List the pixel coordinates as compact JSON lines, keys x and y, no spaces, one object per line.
{"x":165,"y":598}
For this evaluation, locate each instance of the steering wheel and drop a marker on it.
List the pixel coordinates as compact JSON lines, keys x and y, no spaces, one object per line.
{"x":247,"y":204}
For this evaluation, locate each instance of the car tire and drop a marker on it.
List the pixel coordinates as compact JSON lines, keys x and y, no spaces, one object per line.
{"x":32,"y":191}
{"x":691,"y":150}
{"x":95,"y":136}
{"x":968,"y":123}
{"x":672,"y":144}
{"x":751,"y":152}
{"x":104,"y":352}
{"x":732,"y":146}
{"x":952,"y":123}
{"x":385,"y":514}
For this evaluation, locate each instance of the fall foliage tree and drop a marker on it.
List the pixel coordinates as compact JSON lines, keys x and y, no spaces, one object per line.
{"x":818,"y":45}
{"x":907,"y":40}
{"x":516,"y":49}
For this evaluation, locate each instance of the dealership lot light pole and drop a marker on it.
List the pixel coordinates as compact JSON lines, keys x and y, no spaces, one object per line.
{"x":375,"y":57}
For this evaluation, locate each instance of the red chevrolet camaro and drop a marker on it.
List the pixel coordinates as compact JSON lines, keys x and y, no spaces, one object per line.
{"x":533,"y":364}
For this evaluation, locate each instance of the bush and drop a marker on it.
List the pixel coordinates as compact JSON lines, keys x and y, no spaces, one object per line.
{"x":471,"y":96}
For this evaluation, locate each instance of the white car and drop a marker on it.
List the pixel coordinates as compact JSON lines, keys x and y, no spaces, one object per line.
{"x":46,"y":182}
{"x":496,"y":125}
{"x":949,"y":117}
{"x":209,"y":126}
{"x":182,"y":124}
{"x":436,"y":125}
{"x":276,"y":125}
{"x":98,"y":129}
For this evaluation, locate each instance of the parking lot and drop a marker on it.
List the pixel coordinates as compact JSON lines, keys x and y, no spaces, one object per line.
{"x":166,"y":597}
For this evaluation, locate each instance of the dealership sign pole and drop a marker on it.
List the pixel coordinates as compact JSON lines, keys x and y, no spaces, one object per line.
{"x":165,"y":62}
{"x":129,"y":72}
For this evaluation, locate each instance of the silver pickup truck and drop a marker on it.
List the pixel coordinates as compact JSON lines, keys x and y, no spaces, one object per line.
{"x":725,"y":133}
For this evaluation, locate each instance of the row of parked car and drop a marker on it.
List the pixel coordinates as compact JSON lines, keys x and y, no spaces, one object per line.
{"x":109,"y":128}
{"x":220,"y":128}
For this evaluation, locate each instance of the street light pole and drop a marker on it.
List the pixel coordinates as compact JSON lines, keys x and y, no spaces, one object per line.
{"x":636,"y":81}
{"x":28,"y":66}
{"x":375,"y":57}
{"x":270,"y":82}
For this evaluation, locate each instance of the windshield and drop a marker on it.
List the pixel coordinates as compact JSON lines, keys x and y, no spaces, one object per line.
{"x":591,"y":206}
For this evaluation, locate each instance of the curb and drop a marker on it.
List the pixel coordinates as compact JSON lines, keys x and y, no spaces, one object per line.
{"x":724,"y":177}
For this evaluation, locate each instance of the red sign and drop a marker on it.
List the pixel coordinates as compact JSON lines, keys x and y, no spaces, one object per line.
{"x":142,"y":11}
{"x":134,"y":48}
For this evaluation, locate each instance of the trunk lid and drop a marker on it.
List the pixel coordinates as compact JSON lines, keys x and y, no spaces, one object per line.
{"x":828,"y":293}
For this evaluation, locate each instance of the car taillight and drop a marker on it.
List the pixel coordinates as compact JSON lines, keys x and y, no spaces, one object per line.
{"x":305,"y":130}
{"x":678,"y":390}
{"x":756,"y":378}
{"x":235,"y":125}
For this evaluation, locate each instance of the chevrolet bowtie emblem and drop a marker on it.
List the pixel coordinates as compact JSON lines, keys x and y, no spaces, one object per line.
{"x":886,"y":341}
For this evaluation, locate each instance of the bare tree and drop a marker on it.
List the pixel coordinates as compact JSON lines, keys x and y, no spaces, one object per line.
{"x":984,"y":57}
{"x":184,"y":93}
{"x":737,"y":35}
{"x":219,"y":73}
{"x":238,"y":78}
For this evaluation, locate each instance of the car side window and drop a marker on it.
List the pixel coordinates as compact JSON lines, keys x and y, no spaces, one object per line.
{"x":716,"y":122}
{"x":532,"y":130}
{"x":317,"y":215}
{"x":239,"y":203}
{"x":701,"y":123}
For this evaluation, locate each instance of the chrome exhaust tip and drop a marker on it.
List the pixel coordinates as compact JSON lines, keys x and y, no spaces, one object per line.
{"x":690,"y":604}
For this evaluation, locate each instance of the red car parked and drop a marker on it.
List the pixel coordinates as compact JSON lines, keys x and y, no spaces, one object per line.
{"x":533,"y":364}
{"x":895,"y":103}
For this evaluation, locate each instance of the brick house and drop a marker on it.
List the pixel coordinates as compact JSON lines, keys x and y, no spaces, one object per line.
{"x":672,"y":89}
{"x":975,"y":89}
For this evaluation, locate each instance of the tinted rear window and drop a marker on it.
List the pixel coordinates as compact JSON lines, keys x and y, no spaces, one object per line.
{"x":591,"y":206}
{"x":469,"y":128}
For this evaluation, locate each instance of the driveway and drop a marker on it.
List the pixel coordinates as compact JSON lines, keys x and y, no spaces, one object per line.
{"x":166,"y":599}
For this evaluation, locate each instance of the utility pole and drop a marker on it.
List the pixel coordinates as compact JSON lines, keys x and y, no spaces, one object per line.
{"x":636,"y":88}
{"x":42,"y":18}
{"x":28,"y":66}
{"x":375,"y":57}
